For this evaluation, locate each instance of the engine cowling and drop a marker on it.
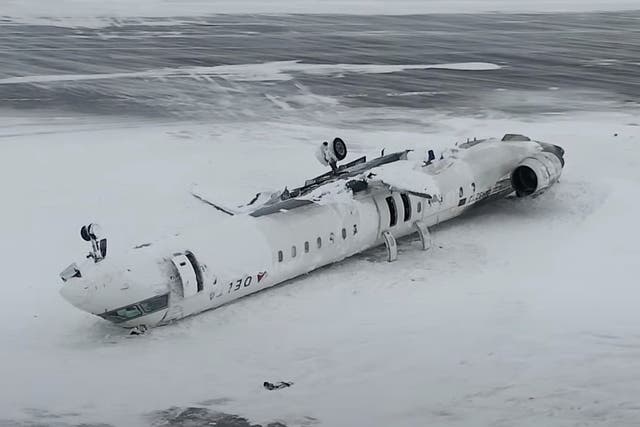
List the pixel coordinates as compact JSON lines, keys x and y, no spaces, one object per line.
{"x":535,"y":174}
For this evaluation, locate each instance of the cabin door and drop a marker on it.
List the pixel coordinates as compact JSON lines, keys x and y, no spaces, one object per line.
{"x":188,"y":273}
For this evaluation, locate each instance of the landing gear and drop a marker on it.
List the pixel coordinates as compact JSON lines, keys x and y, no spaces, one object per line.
{"x":329,"y":154}
{"x":391,"y":245}
{"x":93,"y":233}
{"x":423,"y":232}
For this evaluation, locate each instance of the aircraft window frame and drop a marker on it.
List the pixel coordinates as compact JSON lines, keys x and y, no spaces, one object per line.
{"x":280,"y":256}
{"x":306,"y":247}
{"x":344,"y":234}
{"x":156,"y":303}
{"x":114,"y":317}
{"x":319,"y":242}
{"x":196,"y":269}
{"x":294,"y":251}
{"x":393,"y":211}
{"x":406,"y":204}
{"x":419,"y":207}
{"x":138,"y":309}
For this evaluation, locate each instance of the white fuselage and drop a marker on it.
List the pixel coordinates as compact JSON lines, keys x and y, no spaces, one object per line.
{"x":242,"y":254}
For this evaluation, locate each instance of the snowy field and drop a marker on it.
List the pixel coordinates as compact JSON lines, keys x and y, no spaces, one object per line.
{"x":94,"y":12}
{"x":523,"y":314}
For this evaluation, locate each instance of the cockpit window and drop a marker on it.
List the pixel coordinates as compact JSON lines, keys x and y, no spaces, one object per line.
{"x":154,"y":304}
{"x":132,"y":311}
{"x":122,"y":314}
{"x":129,"y":312}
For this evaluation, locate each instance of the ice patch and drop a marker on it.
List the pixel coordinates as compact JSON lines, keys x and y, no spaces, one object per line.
{"x":269,"y":71}
{"x":418,"y":93}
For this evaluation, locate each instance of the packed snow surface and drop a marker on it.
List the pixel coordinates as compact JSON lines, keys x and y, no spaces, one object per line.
{"x":523,"y":313}
{"x":273,"y":71}
{"x":89,"y":12}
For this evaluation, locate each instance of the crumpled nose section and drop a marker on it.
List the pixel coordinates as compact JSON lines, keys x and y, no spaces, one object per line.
{"x":76,"y":292}
{"x":117,"y":282}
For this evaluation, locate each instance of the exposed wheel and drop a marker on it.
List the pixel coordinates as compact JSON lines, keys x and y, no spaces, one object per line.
{"x":84,"y":233}
{"x":339,"y":148}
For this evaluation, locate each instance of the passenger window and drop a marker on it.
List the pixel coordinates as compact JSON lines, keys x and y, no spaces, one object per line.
{"x":332,"y":238}
{"x":319,"y":242}
{"x":461,"y":192}
{"x":293,"y":251}
{"x":393,"y":214}
{"x":355,"y":229}
{"x":280,"y":256}
{"x":306,"y":247}
{"x":344,"y":233}
{"x":406,"y":204}
{"x":473,"y":187}
{"x":419,"y":208}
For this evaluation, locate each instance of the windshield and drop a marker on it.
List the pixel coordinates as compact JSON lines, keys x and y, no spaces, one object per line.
{"x":132,"y":311}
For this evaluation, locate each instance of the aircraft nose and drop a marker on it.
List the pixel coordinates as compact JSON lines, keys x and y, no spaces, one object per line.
{"x":76,"y":292}
{"x":115,"y":283}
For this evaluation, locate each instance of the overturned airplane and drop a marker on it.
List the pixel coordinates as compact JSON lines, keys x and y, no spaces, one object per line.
{"x":278,"y":236}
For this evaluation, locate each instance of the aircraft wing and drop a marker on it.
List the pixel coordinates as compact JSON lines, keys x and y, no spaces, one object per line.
{"x":260,"y":200}
{"x":332,"y":192}
{"x":391,"y":172}
{"x":400,"y":176}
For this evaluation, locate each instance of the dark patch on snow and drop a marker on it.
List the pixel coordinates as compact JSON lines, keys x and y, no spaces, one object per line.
{"x":216,"y":401}
{"x":44,"y":418}
{"x":591,"y":71}
{"x":196,"y":417}
{"x":48,"y":423}
{"x":172,"y":417}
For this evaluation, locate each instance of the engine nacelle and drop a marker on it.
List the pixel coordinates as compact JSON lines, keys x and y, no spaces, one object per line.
{"x":535,"y":174}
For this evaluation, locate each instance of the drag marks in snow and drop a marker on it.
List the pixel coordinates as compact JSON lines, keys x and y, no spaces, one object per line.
{"x":269,"y":71}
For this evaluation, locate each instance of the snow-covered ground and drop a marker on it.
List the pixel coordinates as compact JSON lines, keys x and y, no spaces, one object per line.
{"x":524,"y":313}
{"x":262,"y":72}
{"x":170,"y":8}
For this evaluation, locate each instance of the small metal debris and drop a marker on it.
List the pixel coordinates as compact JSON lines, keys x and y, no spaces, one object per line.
{"x":138,"y":330}
{"x":276,"y":386}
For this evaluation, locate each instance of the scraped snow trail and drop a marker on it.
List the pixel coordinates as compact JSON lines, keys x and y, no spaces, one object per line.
{"x":523,"y":313}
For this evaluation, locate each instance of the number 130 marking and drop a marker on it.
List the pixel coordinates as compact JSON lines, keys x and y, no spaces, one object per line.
{"x":238,"y":284}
